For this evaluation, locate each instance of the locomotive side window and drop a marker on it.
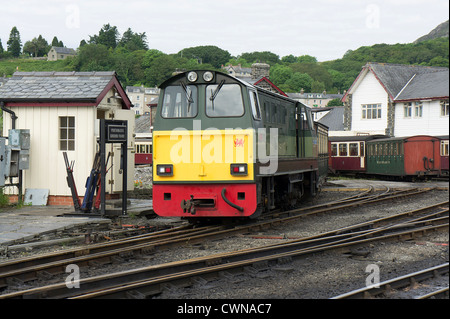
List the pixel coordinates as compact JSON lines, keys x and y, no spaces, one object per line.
{"x":267,"y":111}
{"x":224,"y":100}
{"x":255,"y":105}
{"x":179,"y":102}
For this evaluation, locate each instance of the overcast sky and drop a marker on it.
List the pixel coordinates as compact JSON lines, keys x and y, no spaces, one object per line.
{"x":325,"y":29}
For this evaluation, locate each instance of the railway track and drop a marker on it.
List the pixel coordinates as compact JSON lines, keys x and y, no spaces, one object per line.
{"x":151,"y":280}
{"x":19,"y":271}
{"x":389,"y":286}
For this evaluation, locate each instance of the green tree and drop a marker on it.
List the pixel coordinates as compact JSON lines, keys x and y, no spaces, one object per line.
{"x":207,"y":54}
{"x":94,"y":57}
{"x":37,"y":47}
{"x":306,"y":59}
{"x":128,"y":65}
{"x":317,"y":87}
{"x":279,"y":74}
{"x":263,"y":57}
{"x":299,"y":81}
{"x":107,"y":36}
{"x":159,"y":70}
{"x":14,"y":42}
{"x":335,"y":102}
{"x":289,"y":59}
{"x":57,"y":43}
{"x":133,"y":41}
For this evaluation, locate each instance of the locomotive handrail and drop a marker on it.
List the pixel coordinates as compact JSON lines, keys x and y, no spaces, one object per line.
{"x":239,"y":208}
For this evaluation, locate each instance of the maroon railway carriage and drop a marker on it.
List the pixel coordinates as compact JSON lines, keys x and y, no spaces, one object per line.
{"x":444,"y":155}
{"x":348,"y":153}
{"x":143,"y":152}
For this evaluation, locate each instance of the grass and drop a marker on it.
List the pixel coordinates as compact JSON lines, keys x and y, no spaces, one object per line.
{"x":9,"y":66}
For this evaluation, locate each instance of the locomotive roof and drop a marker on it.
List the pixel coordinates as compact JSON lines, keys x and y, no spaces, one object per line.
{"x":245,"y":83}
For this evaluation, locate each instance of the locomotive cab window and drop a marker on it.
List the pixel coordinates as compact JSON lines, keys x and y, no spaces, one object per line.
{"x":224,"y":100}
{"x":179,"y":102}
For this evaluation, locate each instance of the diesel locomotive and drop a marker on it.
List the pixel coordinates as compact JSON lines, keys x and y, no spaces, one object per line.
{"x":225,"y":148}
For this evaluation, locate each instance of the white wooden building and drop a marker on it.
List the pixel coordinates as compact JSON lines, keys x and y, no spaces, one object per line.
{"x":62,"y":112}
{"x":398,"y":100}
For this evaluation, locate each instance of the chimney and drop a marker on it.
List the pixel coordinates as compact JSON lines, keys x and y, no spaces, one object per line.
{"x":260,"y":70}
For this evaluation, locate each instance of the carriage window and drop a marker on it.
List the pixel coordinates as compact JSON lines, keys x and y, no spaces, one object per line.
{"x":361,"y":149}
{"x":444,"y":148}
{"x":179,"y":102}
{"x":333,"y":149}
{"x":353,"y":149}
{"x":224,"y":100}
{"x":343,"y":150}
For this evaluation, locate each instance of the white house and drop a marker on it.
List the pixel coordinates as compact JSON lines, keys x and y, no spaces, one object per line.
{"x":398,"y":100}
{"x":62,"y":112}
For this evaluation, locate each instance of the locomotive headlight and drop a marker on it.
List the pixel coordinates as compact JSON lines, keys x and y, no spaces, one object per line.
{"x":208,"y":76}
{"x":192,"y":76}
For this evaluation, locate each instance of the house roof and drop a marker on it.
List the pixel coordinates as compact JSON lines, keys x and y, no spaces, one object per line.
{"x":41,"y":87}
{"x":142,"y":124}
{"x":393,"y":77}
{"x":61,"y":50}
{"x":426,"y":86}
{"x":334,"y":119}
{"x":264,"y":79}
{"x":314,"y":96}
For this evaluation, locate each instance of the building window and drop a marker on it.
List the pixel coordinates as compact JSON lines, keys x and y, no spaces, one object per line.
{"x":407,"y":110}
{"x":418,"y":109}
{"x":371,"y":111}
{"x":444,"y":108}
{"x":67,"y":133}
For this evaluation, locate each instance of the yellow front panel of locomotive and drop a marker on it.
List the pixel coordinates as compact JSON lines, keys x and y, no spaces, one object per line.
{"x":203,"y":155}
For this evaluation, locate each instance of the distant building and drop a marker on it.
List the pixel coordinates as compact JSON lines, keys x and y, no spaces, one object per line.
{"x":314,"y":99}
{"x":141,"y":97}
{"x":238,"y":71}
{"x":58,"y":53}
{"x":398,"y":100}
